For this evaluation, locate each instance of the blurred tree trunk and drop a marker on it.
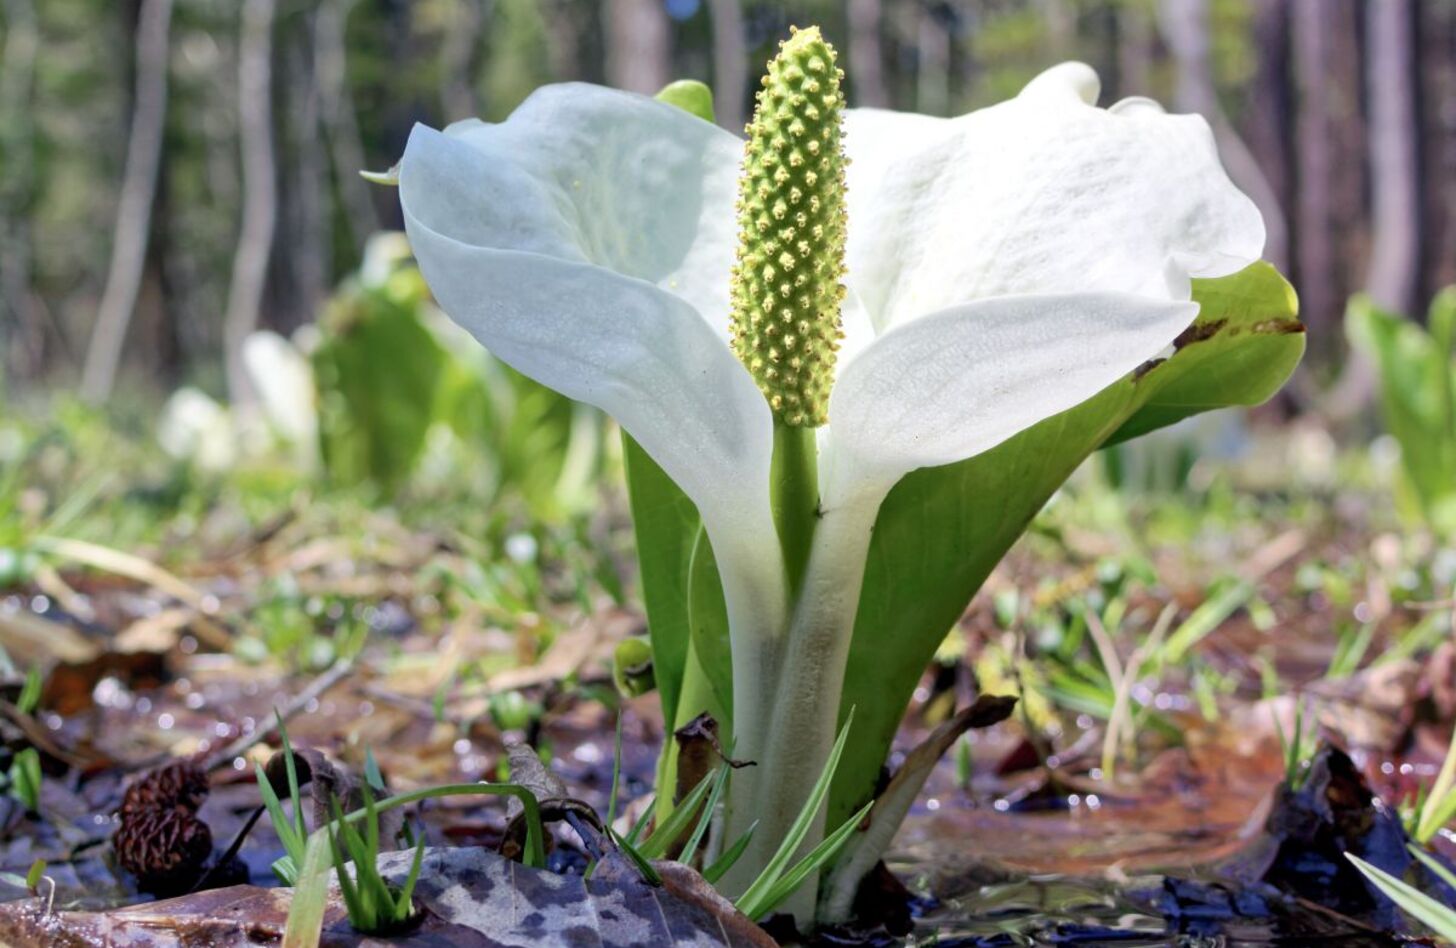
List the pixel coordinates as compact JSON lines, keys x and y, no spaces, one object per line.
{"x":1270,"y":121}
{"x":1135,"y":41}
{"x":1438,"y":29}
{"x":1315,"y":147}
{"x":1186,"y":27}
{"x":255,"y":240}
{"x":22,"y":338}
{"x":457,"y":58}
{"x":1393,"y":279}
{"x":341,"y":125}
{"x":730,"y":62}
{"x":308,"y":236}
{"x":1060,"y":22}
{"x":866,"y":55}
{"x":639,"y":45}
{"x":134,"y":208}
{"x":932,"y":69}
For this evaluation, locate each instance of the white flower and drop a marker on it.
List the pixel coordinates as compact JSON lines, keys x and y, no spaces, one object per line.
{"x":193,"y":427}
{"x":283,"y":379}
{"x":1003,"y":266}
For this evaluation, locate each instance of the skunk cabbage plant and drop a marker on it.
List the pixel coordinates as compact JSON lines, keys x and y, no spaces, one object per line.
{"x":1417,"y":369}
{"x":854,"y":355}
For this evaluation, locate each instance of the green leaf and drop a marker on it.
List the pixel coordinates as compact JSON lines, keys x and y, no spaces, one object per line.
{"x":1417,"y":382}
{"x":25,"y":778}
{"x":755,"y":900}
{"x":29,"y":697}
{"x":643,"y":864}
{"x":942,"y":530}
{"x":1436,"y":916}
{"x":405,"y":904}
{"x":666,"y":524}
{"x":730,"y":856}
{"x":706,"y":819}
{"x":379,"y":372}
{"x":662,"y":838}
{"x":311,"y":896}
{"x":36,"y":874}
{"x":817,"y":858}
{"x":691,"y":96}
{"x":1431,"y":863}
{"x":1243,"y":346}
{"x":708,"y":622}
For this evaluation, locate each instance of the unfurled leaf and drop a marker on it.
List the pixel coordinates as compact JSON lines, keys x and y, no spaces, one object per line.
{"x":962,"y":518}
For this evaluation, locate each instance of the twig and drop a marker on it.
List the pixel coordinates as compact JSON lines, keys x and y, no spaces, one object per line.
{"x":232,"y":851}
{"x":124,"y":564}
{"x":1124,"y":679}
{"x":38,"y":737}
{"x":286,"y":713}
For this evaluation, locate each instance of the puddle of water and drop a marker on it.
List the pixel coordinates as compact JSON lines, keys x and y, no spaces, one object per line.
{"x":1048,"y":911}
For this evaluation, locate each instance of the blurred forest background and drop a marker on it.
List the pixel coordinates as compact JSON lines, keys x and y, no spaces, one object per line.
{"x":177,"y":173}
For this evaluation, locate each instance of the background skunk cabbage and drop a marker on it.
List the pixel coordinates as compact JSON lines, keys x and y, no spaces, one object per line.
{"x":1012,"y":278}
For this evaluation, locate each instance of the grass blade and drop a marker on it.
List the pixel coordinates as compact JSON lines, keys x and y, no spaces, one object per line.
{"x":1440,"y":803}
{"x":310,"y":897}
{"x":1433,"y":864}
{"x":691,"y":849}
{"x":640,"y":825}
{"x":616,"y":772}
{"x":643,"y":864}
{"x":662,"y":838}
{"x":827,"y":849}
{"x":730,"y":856}
{"x":1426,"y":910}
{"x":772,"y":872}
{"x":407,"y":891}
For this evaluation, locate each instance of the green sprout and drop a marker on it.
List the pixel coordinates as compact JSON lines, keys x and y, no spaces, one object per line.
{"x":375,"y":906}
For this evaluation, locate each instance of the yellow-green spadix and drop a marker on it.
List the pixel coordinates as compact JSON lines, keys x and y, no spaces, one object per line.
{"x":791,"y":230}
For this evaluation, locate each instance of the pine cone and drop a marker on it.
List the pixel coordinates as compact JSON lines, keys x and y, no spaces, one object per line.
{"x":160,"y":840}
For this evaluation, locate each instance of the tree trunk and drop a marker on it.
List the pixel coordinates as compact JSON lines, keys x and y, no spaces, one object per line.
{"x":1393,"y":278}
{"x":1134,"y":50}
{"x":134,"y":209}
{"x":1186,"y":28}
{"x":255,"y":240}
{"x":866,"y":55}
{"x":1439,"y":62}
{"x":639,"y":45}
{"x":1271,"y":114}
{"x":730,"y":62}
{"x":307,"y":230}
{"x":932,"y":68}
{"x":457,"y":59}
{"x":336,"y":104}
{"x":1314,"y":145}
{"x":21,"y":337}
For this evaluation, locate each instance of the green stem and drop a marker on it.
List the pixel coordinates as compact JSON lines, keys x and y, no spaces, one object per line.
{"x":805,"y":717}
{"x":794,"y":491}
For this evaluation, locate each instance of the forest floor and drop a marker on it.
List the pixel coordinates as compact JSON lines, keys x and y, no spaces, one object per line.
{"x":150,"y":614}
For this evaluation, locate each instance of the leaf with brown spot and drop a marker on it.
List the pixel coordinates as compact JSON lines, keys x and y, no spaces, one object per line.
{"x":466,"y":897}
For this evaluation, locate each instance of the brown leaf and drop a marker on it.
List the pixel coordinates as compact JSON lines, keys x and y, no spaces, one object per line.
{"x":466,"y":896}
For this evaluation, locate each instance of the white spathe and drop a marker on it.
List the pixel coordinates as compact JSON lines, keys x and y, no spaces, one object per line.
{"x":1004,"y":266}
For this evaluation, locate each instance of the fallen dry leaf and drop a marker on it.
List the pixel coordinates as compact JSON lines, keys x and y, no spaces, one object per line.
{"x":467,"y":896}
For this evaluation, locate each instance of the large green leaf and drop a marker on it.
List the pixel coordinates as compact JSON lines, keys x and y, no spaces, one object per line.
{"x":666,"y":524}
{"x":708,"y":619}
{"x":378,"y":371}
{"x":1417,"y":379}
{"x":942,"y":530}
